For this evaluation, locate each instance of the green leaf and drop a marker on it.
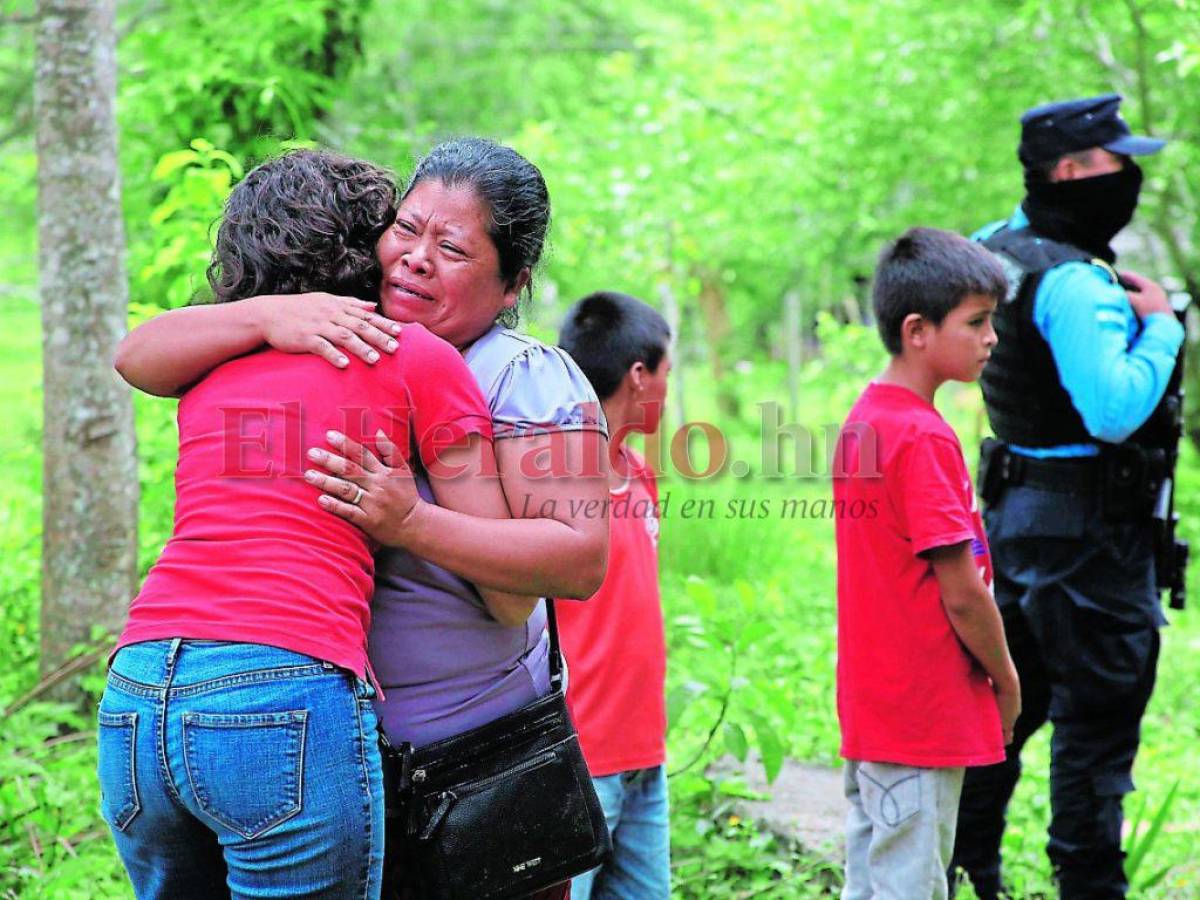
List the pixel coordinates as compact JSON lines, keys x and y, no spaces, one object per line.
{"x":770,"y":747}
{"x":736,"y":742}
{"x":169,"y":163}
{"x":1137,"y":855}
{"x":702,"y":595}
{"x":755,"y":632}
{"x":679,"y":698}
{"x":1155,"y":879}
{"x":735,"y":787}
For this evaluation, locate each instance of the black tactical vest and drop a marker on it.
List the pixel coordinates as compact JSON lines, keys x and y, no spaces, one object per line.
{"x":1025,"y":399}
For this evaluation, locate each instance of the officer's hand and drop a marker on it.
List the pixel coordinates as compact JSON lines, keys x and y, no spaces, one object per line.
{"x":1145,"y":296}
{"x":1008,"y":698}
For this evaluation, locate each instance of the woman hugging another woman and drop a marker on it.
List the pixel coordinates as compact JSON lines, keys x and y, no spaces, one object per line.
{"x":452,"y":649}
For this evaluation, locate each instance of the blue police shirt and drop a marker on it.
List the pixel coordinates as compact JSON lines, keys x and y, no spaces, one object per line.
{"x":1114,"y":368}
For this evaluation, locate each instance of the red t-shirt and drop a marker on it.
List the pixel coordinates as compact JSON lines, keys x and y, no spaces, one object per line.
{"x":614,"y":643}
{"x":908,"y":690}
{"x":253,"y":558}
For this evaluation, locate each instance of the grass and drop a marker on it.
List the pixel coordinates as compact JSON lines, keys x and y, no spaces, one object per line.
{"x":750,"y":609}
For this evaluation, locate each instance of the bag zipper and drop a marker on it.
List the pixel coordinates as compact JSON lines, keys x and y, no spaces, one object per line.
{"x":448,"y":797}
{"x":419,"y":775}
{"x":542,"y":758}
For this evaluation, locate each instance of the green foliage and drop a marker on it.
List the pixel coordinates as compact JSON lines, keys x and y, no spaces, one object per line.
{"x":717,"y":854}
{"x":728,"y":696}
{"x":246,"y":78}
{"x":167,"y":269}
{"x":1140,"y":842}
{"x":729,"y":636}
{"x":51,"y":843}
{"x":244,"y":75}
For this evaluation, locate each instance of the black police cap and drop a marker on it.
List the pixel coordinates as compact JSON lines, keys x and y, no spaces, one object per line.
{"x":1054,"y":129}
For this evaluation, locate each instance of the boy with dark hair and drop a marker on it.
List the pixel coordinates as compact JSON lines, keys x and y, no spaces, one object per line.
{"x":925,"y":683}
{"x":614,"y":643}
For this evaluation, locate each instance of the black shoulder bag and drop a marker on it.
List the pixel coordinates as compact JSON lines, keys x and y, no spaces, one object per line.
{"x":500,"y":811}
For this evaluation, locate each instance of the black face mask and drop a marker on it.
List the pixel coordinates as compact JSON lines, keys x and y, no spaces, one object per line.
{"x":1086,"y":212}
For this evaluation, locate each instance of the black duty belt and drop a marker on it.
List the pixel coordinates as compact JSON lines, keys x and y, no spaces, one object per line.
{"x":1127,"y":478}
{"x":1076,"y":475}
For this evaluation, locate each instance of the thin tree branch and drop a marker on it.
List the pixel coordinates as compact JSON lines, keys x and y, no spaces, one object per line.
{"x":73,"y":738}
{"x":1103,"y":48}
{"x":71,"y":667}
{"x":1142,"y":69}
{"x":139,"y":18}
{"x":34,"y":843}
{"x":721,"y":713}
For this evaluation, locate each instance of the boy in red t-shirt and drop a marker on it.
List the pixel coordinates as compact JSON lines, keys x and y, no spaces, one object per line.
{"x":925,"y":683}
{"x":614,"y":643}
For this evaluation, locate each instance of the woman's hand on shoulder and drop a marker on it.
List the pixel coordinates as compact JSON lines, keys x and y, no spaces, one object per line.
{"x":325,"y":325}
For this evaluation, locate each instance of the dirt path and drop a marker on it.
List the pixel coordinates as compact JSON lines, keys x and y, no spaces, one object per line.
{"x":806,"y":803}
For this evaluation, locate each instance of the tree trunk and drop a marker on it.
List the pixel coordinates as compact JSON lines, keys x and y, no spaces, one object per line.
{"x":717,"y":330}
{"x":670,"y":308}
{"x":90,"y":483}
{"x":793,"y":339}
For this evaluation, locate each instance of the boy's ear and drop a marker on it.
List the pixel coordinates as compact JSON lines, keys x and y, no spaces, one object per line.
{"x":637,"y":374}
{"x":914,"y":331}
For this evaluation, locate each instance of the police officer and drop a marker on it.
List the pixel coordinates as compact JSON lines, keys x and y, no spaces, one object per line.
{"x":1074,"y":392}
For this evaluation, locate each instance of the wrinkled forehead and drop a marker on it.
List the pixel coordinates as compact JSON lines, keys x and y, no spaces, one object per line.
{"x":432,"y":197}
{"x":451,"y":210}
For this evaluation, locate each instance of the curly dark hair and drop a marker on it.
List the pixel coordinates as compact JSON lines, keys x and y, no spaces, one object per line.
{"x":305,"y":221}
{"x":510,"y":187}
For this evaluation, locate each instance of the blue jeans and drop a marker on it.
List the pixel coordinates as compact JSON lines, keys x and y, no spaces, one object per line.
{"x":239,"y":770}
{"x":635,"y":805}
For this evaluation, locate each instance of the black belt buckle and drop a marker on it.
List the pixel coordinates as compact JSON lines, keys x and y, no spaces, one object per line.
{"x":397,"y":776}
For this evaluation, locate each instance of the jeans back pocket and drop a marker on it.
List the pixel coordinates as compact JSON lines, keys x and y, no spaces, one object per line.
{"x":117,"y":741}
{"x":891,"y":795}
{"x":246,"y":770}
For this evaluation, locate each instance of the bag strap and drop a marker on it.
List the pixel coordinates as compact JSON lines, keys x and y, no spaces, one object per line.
{"x":556,"y":665}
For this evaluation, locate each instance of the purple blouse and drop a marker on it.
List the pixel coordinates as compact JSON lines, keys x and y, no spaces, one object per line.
{"x":444,"y":663}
